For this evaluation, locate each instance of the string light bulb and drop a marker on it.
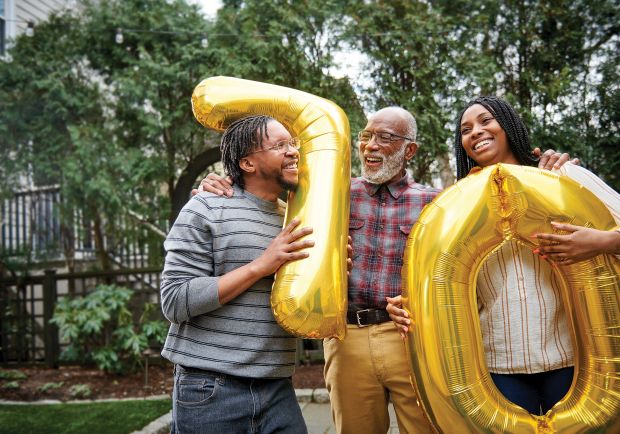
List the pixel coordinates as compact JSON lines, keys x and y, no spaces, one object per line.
{"x":204,"y":42}
{"x":30,"y":29}
{"x":119,"y":36}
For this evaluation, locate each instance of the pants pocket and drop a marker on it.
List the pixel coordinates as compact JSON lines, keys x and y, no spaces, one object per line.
{"x":195,"y":390}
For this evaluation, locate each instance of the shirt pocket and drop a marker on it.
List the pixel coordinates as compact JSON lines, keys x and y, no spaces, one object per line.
{"x":356,"y":231}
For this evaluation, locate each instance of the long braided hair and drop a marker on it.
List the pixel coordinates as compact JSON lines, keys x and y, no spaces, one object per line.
{"x":511,"y":123}
{"x":240,"y":138}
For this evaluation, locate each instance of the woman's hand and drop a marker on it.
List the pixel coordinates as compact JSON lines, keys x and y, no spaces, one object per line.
{"x":399,"y":316}
{"x":579,"y":244}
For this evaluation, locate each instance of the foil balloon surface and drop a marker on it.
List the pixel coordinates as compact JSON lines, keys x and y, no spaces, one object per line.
{"x":445,"y":250}
{"x":309,"y":296}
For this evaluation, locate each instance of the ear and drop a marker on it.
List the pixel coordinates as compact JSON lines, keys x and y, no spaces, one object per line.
{"x":410,"y":150}
{"x":247,"y":165}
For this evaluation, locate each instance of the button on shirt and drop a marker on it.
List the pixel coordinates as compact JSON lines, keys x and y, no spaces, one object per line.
{"x":381,"y":219}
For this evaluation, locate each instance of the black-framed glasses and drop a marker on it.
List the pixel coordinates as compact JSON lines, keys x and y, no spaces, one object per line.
{"x":282,"y":146}
{"x":382,"y":137}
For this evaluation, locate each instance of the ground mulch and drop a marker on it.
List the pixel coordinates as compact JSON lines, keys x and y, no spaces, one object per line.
{"x":158,"y":381}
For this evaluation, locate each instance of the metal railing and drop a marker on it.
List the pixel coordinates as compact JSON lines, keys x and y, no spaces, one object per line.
{"x":34,"y":228}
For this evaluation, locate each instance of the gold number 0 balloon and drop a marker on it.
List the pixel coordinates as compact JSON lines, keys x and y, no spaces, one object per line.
{"x":445,"y":250}
{"x":309,"y":296}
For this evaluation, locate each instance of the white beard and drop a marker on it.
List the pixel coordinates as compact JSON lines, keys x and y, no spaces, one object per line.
{"x":392,"y":165}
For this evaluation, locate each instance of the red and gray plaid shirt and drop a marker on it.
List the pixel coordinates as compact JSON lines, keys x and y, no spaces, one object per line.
{"x":381,"y":219}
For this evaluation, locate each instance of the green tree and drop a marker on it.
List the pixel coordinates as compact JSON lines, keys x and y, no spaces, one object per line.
{"x":111,"y":122}
{"x":408,"y":44}
{"x":556,"y":61}
{"x":107,"y":122}
{"x":285,"y":43}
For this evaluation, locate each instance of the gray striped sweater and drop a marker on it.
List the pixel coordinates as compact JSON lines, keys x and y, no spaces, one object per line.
{"x":212,"y":236}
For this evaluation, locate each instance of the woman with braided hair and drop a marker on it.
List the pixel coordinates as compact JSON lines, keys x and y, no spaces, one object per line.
{"x":525,"y":331}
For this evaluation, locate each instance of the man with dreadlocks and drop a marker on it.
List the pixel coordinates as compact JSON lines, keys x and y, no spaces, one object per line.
{"x":233,"y":362}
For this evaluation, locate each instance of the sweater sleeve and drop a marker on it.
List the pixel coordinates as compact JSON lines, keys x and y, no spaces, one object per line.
{"x":188,"y":286}
{"x":607,"y":195}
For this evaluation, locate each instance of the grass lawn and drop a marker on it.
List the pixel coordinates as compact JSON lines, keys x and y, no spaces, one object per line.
{"x":118,"y":417}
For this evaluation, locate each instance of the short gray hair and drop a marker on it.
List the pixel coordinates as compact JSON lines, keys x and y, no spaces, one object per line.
{"x":412,"y":125}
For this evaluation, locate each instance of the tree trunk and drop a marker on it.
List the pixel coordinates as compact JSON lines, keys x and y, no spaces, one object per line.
{"x":185,"y":183}
{"x":446,"y":174}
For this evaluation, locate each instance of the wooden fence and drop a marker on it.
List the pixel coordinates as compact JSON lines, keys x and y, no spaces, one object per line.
{"x":27,"y":306}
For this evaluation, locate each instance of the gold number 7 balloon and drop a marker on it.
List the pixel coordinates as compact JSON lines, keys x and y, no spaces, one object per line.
{"x":309,"y":297}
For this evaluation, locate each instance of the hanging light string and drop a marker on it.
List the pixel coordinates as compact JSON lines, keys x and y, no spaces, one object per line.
{"x":204,"y":41}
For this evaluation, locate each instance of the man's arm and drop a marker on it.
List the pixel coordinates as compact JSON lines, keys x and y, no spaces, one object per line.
{"x":215,"y":184}
{"x":398,"y":315}
{"x":188,"y":286}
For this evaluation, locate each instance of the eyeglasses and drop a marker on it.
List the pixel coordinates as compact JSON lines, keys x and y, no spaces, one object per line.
{"x":381,"y":138}
{"x":282,"y":146}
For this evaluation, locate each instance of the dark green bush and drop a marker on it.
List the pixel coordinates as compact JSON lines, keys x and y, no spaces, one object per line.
{"x":12,"y":374}
{"x":100,"y":329}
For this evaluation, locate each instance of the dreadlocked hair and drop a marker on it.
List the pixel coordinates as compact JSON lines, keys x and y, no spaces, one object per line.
{"x":511,"y":123}
{"x":240,"y":138}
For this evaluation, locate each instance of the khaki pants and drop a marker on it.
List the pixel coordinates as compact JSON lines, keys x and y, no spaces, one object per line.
{"x":363,"y":373}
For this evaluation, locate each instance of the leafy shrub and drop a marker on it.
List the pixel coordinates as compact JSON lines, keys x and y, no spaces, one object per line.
{"x":80,"y":391}
{"x":12,"y":375}
{"x":100,"y":329}
{"x":11,"y":385}
{"x":50,"y":386}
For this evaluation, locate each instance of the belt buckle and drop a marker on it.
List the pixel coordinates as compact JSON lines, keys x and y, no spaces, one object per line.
{"x":357,"y":317}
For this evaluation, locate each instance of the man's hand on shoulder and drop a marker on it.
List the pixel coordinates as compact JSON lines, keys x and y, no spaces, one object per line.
{"x":216,"y":184}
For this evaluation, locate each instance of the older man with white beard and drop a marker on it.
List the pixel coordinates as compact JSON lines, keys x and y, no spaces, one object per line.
{"x":369,"y":367}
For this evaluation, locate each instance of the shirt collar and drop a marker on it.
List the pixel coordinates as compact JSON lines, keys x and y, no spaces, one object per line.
{"x":395,"y":188}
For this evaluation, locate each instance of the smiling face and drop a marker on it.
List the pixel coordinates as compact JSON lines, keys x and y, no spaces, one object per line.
{"x":383,"y":163}
{"x":271,"y":170}
{"x":483,"y":139}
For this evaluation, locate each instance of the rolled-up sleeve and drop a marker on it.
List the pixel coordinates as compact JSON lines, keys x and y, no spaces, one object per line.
{"x":188,"y":287}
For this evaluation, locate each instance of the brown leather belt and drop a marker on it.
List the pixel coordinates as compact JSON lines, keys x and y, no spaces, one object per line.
{"x":366,"y":317}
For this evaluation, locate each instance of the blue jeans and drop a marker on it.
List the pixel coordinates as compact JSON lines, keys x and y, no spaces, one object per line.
{"x":536,"y":393}
{"x":210,"y":402}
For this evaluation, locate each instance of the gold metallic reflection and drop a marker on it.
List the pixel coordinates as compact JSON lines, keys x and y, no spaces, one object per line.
{"x":444,"y":253}
{"x":309,"y":297}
